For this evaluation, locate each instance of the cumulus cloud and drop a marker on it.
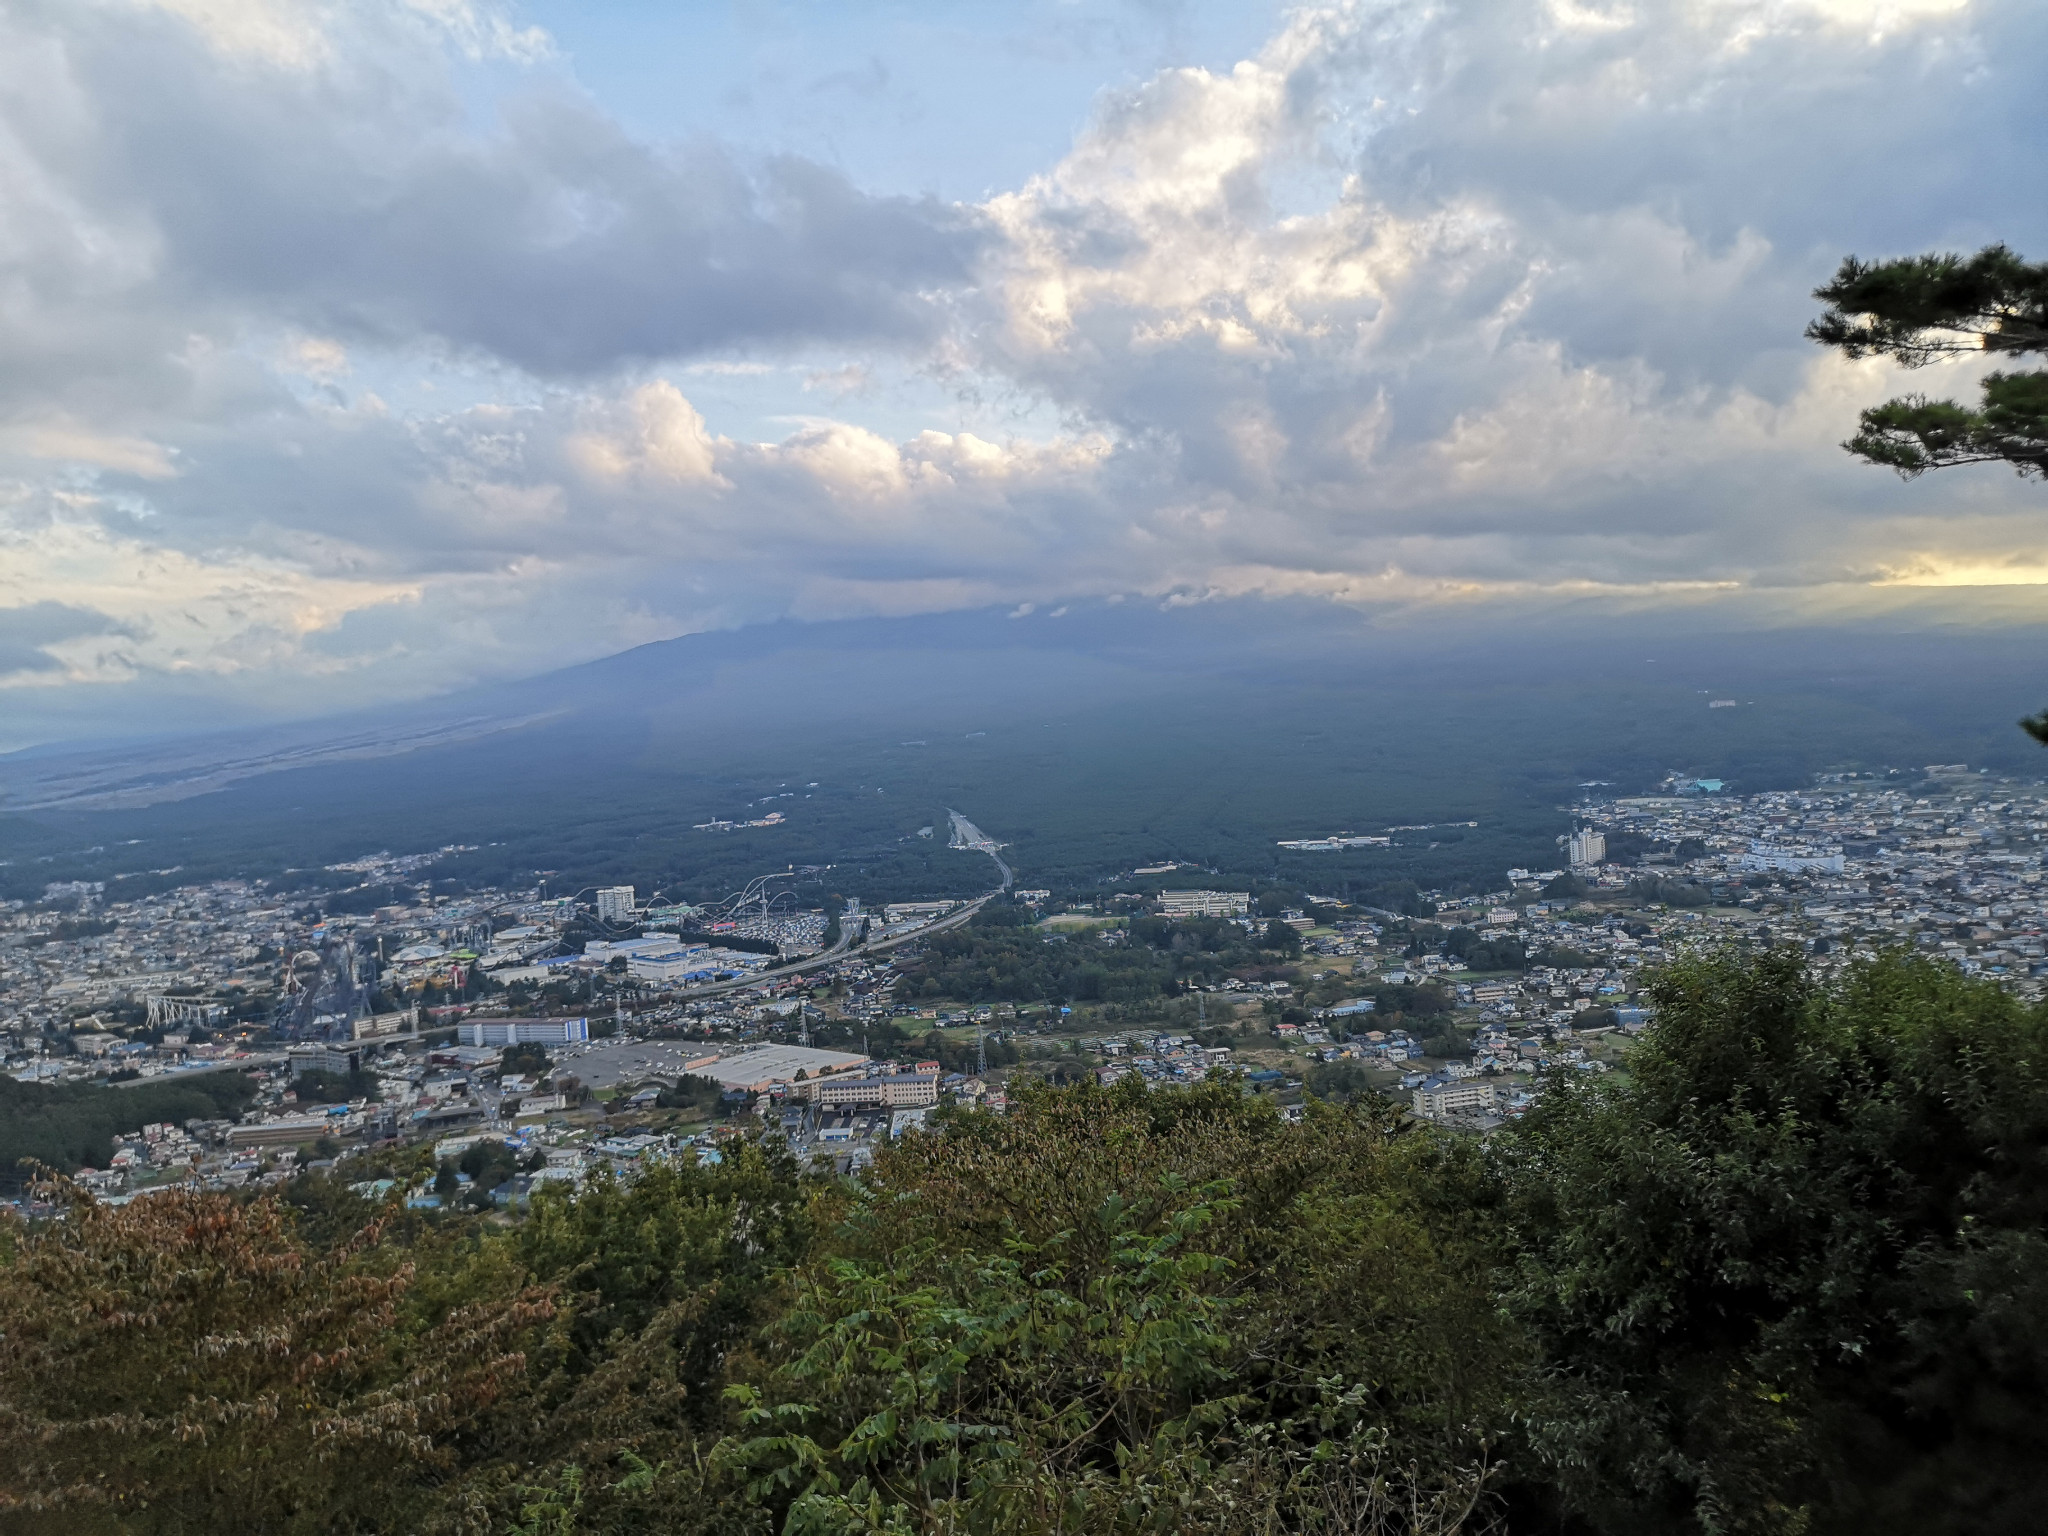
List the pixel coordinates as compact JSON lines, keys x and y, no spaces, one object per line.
{"x":185,"y":170}
{"x":1423,"y":303}
{"x":80,"y":606}
{"x":1545,"y":323}
{"x":654,"y":434}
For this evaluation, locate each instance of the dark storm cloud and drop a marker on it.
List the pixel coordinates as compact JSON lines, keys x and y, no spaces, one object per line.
{"x":26,"y":632}
{"x":354,"y":196}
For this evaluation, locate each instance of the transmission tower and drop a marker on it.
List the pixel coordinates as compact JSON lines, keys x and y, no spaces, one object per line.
{"x":980,"y":1051}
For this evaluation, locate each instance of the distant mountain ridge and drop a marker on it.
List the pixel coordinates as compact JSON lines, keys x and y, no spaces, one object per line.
{"x":1110,"y":737}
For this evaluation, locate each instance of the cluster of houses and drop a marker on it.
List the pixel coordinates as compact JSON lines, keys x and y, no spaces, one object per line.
{"x":1159,"y":1058}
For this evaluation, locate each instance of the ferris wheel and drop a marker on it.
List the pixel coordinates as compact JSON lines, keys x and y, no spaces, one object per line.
{"x":319,"y":984}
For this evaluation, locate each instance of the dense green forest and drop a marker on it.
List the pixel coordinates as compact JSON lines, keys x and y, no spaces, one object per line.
{"x":1783,"y":1276}
{"x":73,"y":1125}
{"x":996,"y":958}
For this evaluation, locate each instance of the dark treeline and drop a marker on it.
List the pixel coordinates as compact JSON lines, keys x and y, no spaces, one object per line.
{"x":734,"y":941}
{"x":887,"y":1037}
{"x":998,"y":959}
{"x":334,"y":1087}
{"x":1785,"y":1276}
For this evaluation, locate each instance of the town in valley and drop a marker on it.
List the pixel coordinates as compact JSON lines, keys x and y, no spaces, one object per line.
{"x":506,"y":1038}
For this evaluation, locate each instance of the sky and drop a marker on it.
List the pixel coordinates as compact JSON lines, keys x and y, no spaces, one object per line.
{"x":353,"y":352}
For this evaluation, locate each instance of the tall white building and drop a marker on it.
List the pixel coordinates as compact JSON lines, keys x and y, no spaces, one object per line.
{"x":1587,"y":847}
{"x":615,"y":904}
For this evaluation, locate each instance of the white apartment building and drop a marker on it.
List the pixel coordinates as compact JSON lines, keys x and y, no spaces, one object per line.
{"x":1791,"y":861}
{"x":1439,"y":1097}
{"x":615,"y":904}
{"x":891,"y":1090}
{"x":1204,"y":903}
{"x":524,"y":1031}
{"x":1587,"y":846}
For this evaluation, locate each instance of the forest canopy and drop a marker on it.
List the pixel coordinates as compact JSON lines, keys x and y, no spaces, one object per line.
{"x":74,"y":1125}
{"x":993,"y":959}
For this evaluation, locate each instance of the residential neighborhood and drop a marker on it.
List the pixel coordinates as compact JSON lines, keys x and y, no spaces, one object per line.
{"x":406,"y":1024}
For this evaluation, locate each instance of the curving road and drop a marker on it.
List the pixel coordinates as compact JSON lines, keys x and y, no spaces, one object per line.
{"x":965,"y":835}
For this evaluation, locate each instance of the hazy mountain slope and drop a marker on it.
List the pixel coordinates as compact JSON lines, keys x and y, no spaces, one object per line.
{"x":1106,"y":738}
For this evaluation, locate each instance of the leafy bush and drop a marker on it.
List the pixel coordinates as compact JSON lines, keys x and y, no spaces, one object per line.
{"x":1786,"y":1276}
{"x":1788,"y":1273}
{"x":704,"y":1095}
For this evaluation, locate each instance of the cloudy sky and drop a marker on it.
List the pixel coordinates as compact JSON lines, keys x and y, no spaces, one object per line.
{"x":360,"y":350}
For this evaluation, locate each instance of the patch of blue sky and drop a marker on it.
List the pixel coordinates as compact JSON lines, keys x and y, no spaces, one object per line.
{"x":955,"y":100}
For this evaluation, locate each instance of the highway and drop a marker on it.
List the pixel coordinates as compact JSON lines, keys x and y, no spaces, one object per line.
{"x":844,"y":950}
{"x":966,"y":835}
{"x":249,"y":1063}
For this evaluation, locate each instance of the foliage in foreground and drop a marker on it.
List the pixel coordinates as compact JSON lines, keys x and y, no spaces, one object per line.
{"x":1919,"y":309}
{"x":1795,"y":1274}
{"x":1787,"y":1276}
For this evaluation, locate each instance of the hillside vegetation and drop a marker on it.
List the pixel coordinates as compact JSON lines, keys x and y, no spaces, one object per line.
{"x":73,"y":1125}
{"x":1786,"y":1276}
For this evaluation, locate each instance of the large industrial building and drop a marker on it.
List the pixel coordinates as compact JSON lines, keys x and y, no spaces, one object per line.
{"x":776,"y":1066}
{"x":524,"y":1031}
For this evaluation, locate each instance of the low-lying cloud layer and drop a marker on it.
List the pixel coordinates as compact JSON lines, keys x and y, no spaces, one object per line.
{"x":321,"y":382}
